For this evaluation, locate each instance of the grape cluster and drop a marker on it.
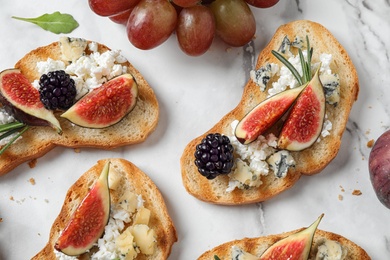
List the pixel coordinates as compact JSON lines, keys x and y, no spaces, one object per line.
{"x":196,"y":22}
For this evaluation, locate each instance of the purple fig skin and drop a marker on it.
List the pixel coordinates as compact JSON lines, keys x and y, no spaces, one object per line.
{"x":379,"y":168}
{"x":20,"y":115}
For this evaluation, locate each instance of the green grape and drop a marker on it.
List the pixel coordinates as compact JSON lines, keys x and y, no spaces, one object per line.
{"x":195,"y":30}
{"x":235,"y":23}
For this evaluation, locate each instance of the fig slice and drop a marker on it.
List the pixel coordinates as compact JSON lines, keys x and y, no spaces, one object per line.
{"x":304,"y":124}
{"x":265,"y":115}
{"x":87,"y":223}
{"x":22,"y":101}
{"x":294,"y":247}
{"x":105,"y":105}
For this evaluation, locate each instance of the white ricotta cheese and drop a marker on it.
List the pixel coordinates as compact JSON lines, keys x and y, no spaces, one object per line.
{"x":88,"y":71}
{"x":6,"y":118}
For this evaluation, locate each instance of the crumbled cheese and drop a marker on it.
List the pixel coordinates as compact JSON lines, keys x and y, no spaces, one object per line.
{"x":330,"y":250}
{"x":264,"y":74}
{"x":88,"y":71}
{"x":239,"y":254}
{"x":72,"y":48}
{"x":280,"y":162}
{"x":251,"y":163}
{"x":326,"y":128}
{"x":286,"y":78}
{"x":6,"y":118}
{"x":93,"y":46}
{"x":44,"y":67}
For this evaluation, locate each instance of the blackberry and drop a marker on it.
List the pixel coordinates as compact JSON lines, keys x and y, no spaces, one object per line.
{"x":57,"y":90}
{"x":214,"y":155}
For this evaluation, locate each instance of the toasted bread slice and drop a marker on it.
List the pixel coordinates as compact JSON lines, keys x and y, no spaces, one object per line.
{"x":37,"y":141}
{"x":309,"y":161}
{"x":256,"y":246}
{"x":131,"y":179}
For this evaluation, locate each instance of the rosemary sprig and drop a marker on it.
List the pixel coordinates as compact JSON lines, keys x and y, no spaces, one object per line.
{"x":10,"y":126}
{"x":9,"y":129}
{"x":306,"y":65}
{"x":286,"y":63}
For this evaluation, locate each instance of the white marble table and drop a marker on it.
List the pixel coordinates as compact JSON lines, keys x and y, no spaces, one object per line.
{"x":188,"y":90}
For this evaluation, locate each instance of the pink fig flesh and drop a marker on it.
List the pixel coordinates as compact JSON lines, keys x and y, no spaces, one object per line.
{"x":87,"y":223}
{"x":265,"y":115}
{"x":304,"y":124}
{"x":106,"y":105}
{"x":294,"y":247}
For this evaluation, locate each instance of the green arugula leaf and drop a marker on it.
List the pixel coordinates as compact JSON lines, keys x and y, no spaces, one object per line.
{"x":216,"y":257}
{"x":55,"y":22}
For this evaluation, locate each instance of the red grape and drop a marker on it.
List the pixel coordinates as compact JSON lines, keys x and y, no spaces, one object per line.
{"x":235,"y":23}
{"x":262,"y":3}
{"x":111,"y":7}
{"x":151,"y":23}
{"x":121,"y":18}
{"x":195,"y":30}
{"x":186,"y":3}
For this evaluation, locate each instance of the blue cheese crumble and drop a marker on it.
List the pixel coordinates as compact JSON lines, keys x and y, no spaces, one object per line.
{"x":251,"y":161}
{"x":285,"y":79}
{"x":239,"y":254}
{"x":330,"y":250}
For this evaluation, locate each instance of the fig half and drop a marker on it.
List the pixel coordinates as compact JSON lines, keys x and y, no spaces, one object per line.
{"x":304,"y":123}
{"x":87,"y":223}
{"x":106,"y":105}
{"x":265,"y":115}
{"x":22,"y":101}
{"x":295,"y":247}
